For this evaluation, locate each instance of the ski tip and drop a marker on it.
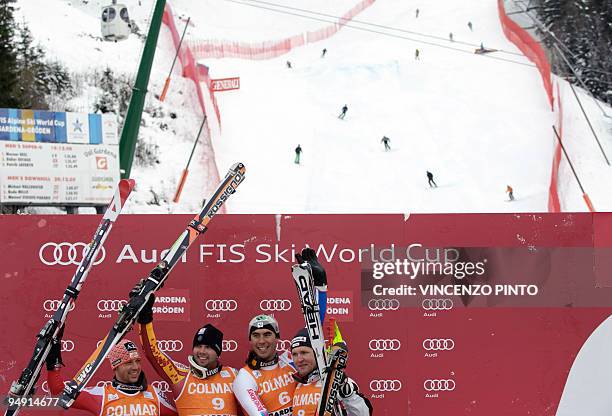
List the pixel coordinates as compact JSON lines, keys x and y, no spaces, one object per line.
{"x":238,"y":167}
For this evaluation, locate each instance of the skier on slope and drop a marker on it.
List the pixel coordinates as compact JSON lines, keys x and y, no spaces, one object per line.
{"x":298,"y":152}
{"x":450,"y":36}
{"x":289,"y":64}
{"x":343,"y":112}
{"x":417,"y":14}
{"x":265,"y":383}
{"x":510,"y":192}
{"x":128,"y":389}
{"x":430,"y":180}
{"x":324,"y":52}
{"x":470,"y":26}
{"x":308,"y":388}
{"x":205,"y":386}
{"x":416,"y":54}
{"x":385,"y":140}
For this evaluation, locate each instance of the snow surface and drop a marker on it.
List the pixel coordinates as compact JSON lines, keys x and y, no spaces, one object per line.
{"x":478,"y":122}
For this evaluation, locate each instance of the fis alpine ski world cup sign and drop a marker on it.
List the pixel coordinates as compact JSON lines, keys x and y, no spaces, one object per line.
{"x":171,"y":305}
{"x":340,"y":305}
{"x":225,"y":84}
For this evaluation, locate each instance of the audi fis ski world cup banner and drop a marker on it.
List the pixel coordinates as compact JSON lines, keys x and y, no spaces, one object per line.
{"x":444,"y":314}
{"x":57,"y":158}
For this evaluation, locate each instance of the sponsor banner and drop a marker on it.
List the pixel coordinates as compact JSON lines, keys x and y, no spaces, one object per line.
{"x":225,"y":84}
{"x":422,"y":340}
{"x":58,"y":127}
{"x":172,"y":305}
{"x":53,"y":173}
{"x":340,"y":305}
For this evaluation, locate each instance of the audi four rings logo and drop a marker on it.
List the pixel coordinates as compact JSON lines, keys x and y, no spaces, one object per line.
{"x":52,"y":305}
{"x":162,"y":386}
{"x":437,"y":304}
{"x":45,"y":386}
{"x":64,"y":254}
{"x":283,"y":344}
{"x":67,"y":345}
{"x":221,"y":305}
{"x":108,"y":305}
{"x":383,"y":304}
{"x":170,"y":345}
{"x":385,"y":385}
{"x":438,"y":344}
{"x":439,"y":385}
{"x":275,"y":305}
{"x":385,"y":344}
{"x":229,"y":345}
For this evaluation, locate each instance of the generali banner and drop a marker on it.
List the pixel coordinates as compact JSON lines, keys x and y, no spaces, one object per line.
{"x":473,"y":314}
{"x":225,"y":84}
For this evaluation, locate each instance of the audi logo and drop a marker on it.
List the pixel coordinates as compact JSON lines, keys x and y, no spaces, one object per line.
{"x":383,"y":304}
{"x":438,"y":344}
{"x":64,"y":254}
{"x":170,"y":345}
{"x":229,"y":345}
{"x":437,"y":304}
{"x":45,"y":386}
{"x":161,"y":386}
{"x":221,"y":305}
{"x":103,"y":383}
{"x":385,"y":385}
{"x":67,"y":345}
{"x":385,"y":344}
{"x":53,"y":305}
{"x":439,"y":385}
{"x":283,"y":344}
{"x":269,"y":305}
{"x":107,"y":305}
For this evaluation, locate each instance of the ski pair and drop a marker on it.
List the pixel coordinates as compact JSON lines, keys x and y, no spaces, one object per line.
{"x":331,"y":369}
{"x":24,"y":386}
{"x":154,"y":281}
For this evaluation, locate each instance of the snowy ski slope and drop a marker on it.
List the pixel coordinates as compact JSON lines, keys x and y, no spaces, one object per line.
{"x":477,"y":122}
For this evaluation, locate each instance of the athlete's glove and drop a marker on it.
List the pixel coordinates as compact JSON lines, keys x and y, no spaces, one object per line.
{"x":54,"y":358}
{"x":146,"y":314}
{"x":318,"y":272}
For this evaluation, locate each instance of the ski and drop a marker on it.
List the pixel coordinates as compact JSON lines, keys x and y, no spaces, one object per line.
{"x":333,"y":382}
{"x":154,"y":281}
{"x":24,"y":386}
{"x":304,"y":282}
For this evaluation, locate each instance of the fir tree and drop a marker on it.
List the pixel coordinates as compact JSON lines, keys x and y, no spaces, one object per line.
{"x":8,"y":56}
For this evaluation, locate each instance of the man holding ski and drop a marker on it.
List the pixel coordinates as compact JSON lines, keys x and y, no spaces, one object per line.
{"x":308,"y":389}
{"x":127,"y":394}
{"x":204,"y":387}
{"x":265,"y":385}
{"x":313,"y":390}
